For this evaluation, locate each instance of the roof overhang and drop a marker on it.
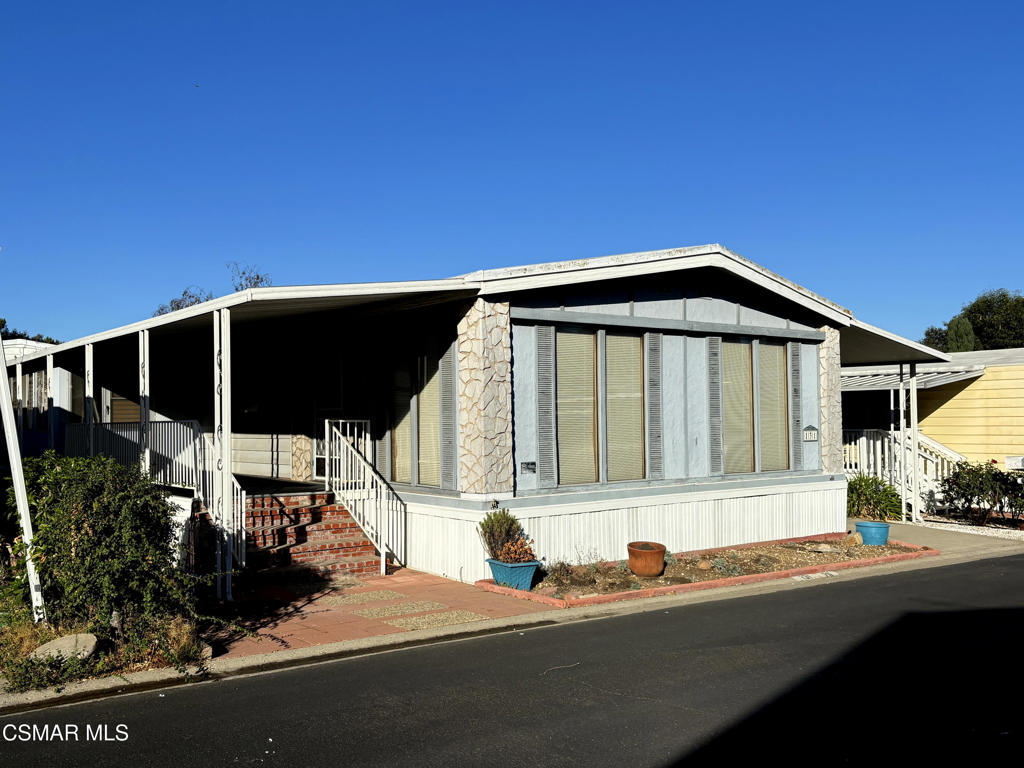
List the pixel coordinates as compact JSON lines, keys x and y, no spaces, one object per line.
{"x":865,"y":379}
{"x":864,"y":344}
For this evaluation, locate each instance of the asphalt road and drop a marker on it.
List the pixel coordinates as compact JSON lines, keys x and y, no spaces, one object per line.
{"x":923,"y":664}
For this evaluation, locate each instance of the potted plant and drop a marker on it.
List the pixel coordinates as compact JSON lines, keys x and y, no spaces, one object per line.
{"x":875,"y":499}
{"x":512,"y":559}
{"x":646,"y":558}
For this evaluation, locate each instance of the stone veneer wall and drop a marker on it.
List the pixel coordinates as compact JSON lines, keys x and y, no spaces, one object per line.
{"x":831,"y":402}
{"x":485,"y":398}
{"x":302,"y":457}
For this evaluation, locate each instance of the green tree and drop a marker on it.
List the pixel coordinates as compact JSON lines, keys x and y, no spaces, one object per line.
{"x":960,"y":335}
{"x":189,"y":297}
{"x":996,"y":319}
{"x":935,"y":337}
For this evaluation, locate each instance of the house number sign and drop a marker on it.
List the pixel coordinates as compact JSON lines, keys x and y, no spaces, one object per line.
{"x":810,"y":434}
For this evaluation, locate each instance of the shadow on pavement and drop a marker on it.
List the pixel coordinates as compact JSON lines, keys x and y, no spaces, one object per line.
{"x":929,"y":686}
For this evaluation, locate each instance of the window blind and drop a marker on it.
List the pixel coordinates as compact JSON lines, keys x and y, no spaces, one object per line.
{"x":401,"y":432}
{"x":624,"y":373}
{"x":576,"y":404}
{"x":737,"y":407}
{"x":772,"y":396}
{"x":429,"y":427}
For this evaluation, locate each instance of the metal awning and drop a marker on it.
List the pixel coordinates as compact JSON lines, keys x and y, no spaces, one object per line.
{"x":861,"y":379}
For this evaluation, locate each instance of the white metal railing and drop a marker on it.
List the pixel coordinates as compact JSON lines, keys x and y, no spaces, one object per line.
{"x":180,"y":455}
{"x":357,"y":484}
{"x":876,"y":452}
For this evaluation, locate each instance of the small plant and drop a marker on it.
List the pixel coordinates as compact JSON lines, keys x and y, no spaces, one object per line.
{"x":976,"y":491}
{"x":872,"y":497}
{"x":518,"y":551}
{"x":725,"y":568}
{"x":497,"y":529}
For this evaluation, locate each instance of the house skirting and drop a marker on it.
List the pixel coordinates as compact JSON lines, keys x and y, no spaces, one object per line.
{"x":443,"y":539}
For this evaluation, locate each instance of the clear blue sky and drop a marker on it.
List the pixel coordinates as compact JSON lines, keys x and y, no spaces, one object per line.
{"x":869,"y":151}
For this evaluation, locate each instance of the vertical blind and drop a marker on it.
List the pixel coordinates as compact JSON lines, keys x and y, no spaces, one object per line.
{"x":576,"y":388}
{"x":772,"y":415}
{"x":737,"y":407}
{"x":429,"y":411}
{"x":401,"y":434}
{"x":624,"y":373}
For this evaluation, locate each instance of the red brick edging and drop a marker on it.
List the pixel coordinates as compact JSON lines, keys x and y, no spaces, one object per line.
{"x":753,"y":578}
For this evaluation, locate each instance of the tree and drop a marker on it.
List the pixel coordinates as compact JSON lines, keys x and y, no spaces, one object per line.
{"x":935,"y":338}
{"x":14,"y":333}
{"x":960,"y":335}
{"x":243,"y":277}
{"x":189,"y":297}
{"x":996,"y":319}
{"x":246,"y":276}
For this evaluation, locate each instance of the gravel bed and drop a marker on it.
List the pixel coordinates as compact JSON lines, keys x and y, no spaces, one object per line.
{"x":998,"y":533}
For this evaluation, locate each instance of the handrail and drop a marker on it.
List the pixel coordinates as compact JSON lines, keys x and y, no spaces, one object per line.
{"x":367,"y":496}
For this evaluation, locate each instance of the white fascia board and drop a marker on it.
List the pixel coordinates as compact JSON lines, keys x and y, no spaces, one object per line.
{"x":143,"y":325}
{"x":650,"y":263}
{"x":260,"y":294}
{"x":342,"y":290}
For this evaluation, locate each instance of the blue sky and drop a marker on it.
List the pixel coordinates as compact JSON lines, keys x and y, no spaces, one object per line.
{"x":869,"y":151}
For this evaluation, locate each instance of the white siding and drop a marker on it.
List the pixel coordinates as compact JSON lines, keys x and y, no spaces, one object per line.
{"x":445,"y":541}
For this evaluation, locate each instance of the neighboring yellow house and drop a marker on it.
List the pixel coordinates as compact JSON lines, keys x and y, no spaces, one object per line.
{"x":973,"y":405}
{"x":982,"y":417}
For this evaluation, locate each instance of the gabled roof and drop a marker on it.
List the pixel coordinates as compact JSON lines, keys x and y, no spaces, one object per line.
{"x":282,"y":300}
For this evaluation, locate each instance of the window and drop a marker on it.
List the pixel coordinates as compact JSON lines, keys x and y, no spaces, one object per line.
{"x":738,"y":407}
{"x":429,"y":428}
{"x":579,"y":400}
{"x":624,"y":373}
{"x":417,"y":422}
{"x":772,"y":416}
{"x":739,"y":390}
{"x":576,"y":393}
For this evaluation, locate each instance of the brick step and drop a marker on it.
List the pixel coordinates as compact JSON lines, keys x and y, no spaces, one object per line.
{"x":324,"y":544}
{"x":331,"y":560}
{"x":296,"y":516}
{"x":272,"y":501}
{"x":298,"y":534}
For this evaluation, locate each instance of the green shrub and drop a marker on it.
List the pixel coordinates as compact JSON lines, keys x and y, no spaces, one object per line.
{"x":499,"y":528}
{"x":872,"y":497}
{"x":104,"y":546}
{"x":976,"y":491}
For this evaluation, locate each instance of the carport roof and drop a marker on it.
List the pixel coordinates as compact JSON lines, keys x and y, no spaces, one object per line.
{"x":860,"y":342}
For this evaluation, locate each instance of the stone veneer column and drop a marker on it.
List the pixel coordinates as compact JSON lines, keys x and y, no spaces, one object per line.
{"x":485,"y":399}
{"x":831,"y":402}
{"x":302,"y":457}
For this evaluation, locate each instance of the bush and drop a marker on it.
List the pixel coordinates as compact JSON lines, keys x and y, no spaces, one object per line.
{"x":872,"y":497}
{"x":499,"y":528}
{"x":976,"y":491}
{"x":104,"y":547}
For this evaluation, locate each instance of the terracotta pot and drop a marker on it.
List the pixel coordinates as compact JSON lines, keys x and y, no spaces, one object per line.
{"x":646,"y":558}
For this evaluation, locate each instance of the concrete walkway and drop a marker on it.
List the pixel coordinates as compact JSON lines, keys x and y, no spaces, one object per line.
{"x":351,"y":609}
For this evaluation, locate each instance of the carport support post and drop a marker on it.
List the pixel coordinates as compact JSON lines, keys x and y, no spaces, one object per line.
{"x":19,"y":387}
{"x":144,"y":400}
{"x":89,"y":402}
{"x":903,"y":451}
{"x":18,"y":481}
{"x":50,"y":439}
{"x":227,"y":484}
{"x":223,"y":497}
{"x":916,"y":506}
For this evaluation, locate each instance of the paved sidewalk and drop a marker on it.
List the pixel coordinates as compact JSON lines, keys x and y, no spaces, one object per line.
{"x":372,"y":607}
{"x":956,"y":546}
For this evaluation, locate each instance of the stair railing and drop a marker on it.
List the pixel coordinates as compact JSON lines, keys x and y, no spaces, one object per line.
{"x":364,"y":492}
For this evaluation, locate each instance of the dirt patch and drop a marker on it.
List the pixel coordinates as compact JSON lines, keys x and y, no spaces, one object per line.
{"x":564,"y":580}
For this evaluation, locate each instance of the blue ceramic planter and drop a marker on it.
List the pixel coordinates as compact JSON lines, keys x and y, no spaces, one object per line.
{"x":514,"y":575}
{"x":874,"y":534}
